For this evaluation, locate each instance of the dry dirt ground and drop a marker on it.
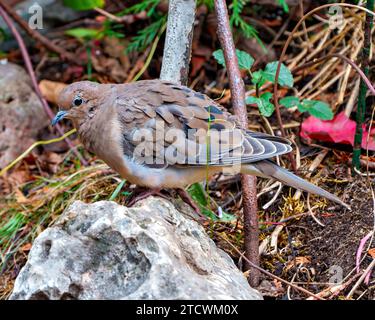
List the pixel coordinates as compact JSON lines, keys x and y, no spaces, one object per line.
{"x":314,"y":254}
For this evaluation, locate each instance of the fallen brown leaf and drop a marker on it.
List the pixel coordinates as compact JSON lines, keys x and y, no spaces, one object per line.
{"x":371,"y":252}
{"x":26,"y":247}
{"x":51,"y":89}
{"x":298,"y":261}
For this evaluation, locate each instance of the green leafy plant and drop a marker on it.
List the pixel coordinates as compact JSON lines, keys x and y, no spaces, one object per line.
{"x":108,"y":29}
{"x":284,"y":5}
{"x":145,"y":5}
{"x":316,"y":108}
{"x":84,"y":33}
{"x":260,"y":77}
{"x":266,"y":108}
{"x":147,"y":35}
{"x":198,"y":194}
{"x":236,"y":19}
{"x":245,"y":61}
{"x":84,"y":4}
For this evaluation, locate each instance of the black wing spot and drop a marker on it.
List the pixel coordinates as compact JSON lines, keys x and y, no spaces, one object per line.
{"x":213,"y":109}
{"x":185,"y":128}
{"x":217,"y":126}
{"x":211,"y":118}
{"x":177,"y":88}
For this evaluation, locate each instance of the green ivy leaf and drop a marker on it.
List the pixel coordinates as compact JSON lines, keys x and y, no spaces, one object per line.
{"x":226,"y":217}
{"x":266,"y":108}
{"x":84,"y":4}
{"x":84,"y":33}
{"x":198,"y":194}
{"x":257,"y":78}
{"x":290,"y":102}
{"x":245,"y":61}
{"x":285,"y":76}
{"x":219,"y":56}
{"x":317,"y":109}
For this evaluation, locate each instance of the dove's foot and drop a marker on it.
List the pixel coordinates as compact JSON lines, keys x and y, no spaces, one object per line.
{"x":184,"y":195}
{"x":143,"y":193}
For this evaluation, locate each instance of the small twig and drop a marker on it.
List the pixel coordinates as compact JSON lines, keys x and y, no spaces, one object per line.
{"x":312,"y":213}
{"x":269,"y":273}
{"x":109,"y":15}
{"x":273,"y":239}
{"x":237,"y":88}
{"x":333,"y":291}
{"x":30,"y":70}
{"x":300,"y":4}
{"x":360,"y":280}
{"x":122,"y":19}
{"x":269,"y":203}
{"x":363,"y":174}
{"x":352,"y":98}
{"x":36,"y":35}
{"x":232,"y":199}
{"x":267,"y":189}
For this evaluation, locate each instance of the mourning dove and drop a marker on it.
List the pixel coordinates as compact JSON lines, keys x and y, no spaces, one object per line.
{"x":159,"y":134}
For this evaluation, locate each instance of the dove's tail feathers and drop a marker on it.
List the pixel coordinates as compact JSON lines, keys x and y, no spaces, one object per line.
{"x":272,"y":170}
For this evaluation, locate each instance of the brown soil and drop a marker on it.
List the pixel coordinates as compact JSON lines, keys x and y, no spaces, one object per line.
{"x":330,"y":250}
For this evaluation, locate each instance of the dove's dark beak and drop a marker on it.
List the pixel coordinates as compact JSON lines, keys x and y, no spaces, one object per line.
{"x":59,"y":116}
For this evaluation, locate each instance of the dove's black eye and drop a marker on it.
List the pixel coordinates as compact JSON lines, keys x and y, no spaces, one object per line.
{"x":77,"y":101}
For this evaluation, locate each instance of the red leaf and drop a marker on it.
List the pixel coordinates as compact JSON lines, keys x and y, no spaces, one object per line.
{"x":338,"y":130}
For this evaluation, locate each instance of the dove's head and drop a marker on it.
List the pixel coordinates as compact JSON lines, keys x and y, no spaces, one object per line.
{"x":79,"y":102}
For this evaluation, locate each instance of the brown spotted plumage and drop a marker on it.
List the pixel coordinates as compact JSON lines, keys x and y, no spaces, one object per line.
{"x":162,"y":135}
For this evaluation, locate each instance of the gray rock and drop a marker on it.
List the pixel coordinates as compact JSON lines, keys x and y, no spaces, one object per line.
{"x":107,"y":251}
{"x":22,"y":115}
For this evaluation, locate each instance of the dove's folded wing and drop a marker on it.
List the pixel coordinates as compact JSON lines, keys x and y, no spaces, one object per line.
{"x":167,"y":124}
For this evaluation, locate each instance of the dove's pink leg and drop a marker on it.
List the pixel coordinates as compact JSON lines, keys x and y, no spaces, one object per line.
{"x":184,"y":195}
{"x":145,"y":193}
{"x":142,"y":193}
